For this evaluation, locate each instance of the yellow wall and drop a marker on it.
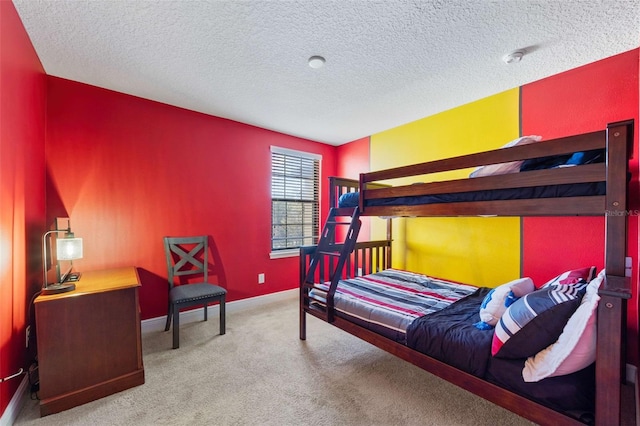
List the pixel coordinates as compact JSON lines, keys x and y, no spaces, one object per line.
{"x":479,"y":251}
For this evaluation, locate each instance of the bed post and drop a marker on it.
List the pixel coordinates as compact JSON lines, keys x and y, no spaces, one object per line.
{"x":303,"y":276}
{"x":616,"y":289}
{"x":361,"y":188}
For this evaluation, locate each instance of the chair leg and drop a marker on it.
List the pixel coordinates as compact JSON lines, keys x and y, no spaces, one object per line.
{"x":169,"y":315}
{"x":206,"y":305}
{"x":222,"y":316}
{"x":176,"y":327}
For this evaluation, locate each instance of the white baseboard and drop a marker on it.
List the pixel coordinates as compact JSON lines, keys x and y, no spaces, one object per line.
{"x":158,"y":323}
{"x":15,"y":405}
{"x":631,"y":373}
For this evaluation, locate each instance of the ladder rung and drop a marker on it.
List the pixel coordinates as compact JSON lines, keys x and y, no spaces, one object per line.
{"x":333,"y":222}
{"x":330,"y":253}
{"x":344,"y":211}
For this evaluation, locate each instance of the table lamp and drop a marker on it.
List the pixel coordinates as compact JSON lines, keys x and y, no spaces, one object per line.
{"x":67,"y":248}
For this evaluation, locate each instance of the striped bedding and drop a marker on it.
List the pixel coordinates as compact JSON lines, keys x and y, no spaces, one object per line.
{"x":388,"y":301}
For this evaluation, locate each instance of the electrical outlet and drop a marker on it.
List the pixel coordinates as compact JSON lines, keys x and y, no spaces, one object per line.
{"x":260,"y":278}
{"x":28,"y":335}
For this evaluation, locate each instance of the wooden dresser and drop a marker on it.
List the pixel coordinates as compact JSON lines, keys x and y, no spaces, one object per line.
{"x":89,"y":340}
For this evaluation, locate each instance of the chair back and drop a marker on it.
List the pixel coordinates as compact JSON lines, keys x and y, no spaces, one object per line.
{"x":187,"y":256}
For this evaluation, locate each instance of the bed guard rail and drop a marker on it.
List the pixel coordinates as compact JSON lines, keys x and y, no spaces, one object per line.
{"x":367,"y":257}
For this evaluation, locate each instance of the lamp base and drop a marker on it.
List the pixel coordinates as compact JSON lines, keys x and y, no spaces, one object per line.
{"x":57,"y":288}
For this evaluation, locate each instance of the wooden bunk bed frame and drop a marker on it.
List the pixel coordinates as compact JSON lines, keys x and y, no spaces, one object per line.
{"x":351,"y":258}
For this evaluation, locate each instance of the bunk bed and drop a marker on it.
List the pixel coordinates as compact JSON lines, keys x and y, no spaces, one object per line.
{"x":595,"y":189}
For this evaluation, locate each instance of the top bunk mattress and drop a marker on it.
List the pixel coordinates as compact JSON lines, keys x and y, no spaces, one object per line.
{"x":351,"y":199}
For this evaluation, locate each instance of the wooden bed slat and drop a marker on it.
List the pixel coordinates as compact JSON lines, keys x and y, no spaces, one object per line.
{"x":568,"y":206}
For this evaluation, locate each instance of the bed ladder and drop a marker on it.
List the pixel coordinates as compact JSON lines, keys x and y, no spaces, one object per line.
{"x":337,"y":252}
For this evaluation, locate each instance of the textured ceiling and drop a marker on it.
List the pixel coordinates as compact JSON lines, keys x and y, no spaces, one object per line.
{"x":387,"y":62}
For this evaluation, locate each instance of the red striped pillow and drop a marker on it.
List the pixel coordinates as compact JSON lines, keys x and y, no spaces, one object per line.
{"x":573,"y":276}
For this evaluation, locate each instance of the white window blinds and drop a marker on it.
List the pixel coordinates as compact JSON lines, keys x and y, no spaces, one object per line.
{"x":295,"y":183}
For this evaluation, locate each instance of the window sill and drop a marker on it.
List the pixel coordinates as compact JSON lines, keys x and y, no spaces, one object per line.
{"x":280,"y":254}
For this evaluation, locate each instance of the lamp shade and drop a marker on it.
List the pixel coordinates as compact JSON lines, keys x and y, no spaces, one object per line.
{"x":69,"y":248}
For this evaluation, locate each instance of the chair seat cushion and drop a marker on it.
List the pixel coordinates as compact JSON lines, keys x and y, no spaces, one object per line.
{"x":191,"y":292}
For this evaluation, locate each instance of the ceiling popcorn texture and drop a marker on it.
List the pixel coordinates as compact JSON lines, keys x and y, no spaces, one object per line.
{"x":388,"y":62}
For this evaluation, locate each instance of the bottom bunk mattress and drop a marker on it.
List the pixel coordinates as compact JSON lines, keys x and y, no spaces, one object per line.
{"x":388,"y":301}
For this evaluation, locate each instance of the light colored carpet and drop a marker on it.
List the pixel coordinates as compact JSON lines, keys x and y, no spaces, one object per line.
{"x":260,"y":373}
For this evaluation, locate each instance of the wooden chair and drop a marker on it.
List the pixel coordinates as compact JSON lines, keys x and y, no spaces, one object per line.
{"x":187,"y":257}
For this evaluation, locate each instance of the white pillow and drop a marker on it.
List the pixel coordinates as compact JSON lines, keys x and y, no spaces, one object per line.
{"x":498,"y":300}
{"x":504,"y":168}
{"x":575,"y":349}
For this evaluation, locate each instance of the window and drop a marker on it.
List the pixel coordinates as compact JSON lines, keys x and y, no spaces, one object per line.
{"x":295,"y":183}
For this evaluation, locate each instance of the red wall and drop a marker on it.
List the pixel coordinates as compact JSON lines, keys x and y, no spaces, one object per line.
{"x":582,"y":100}
{"x":22,"y":121}
{"x":353,"y":159}
{"x":129,"y":171}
